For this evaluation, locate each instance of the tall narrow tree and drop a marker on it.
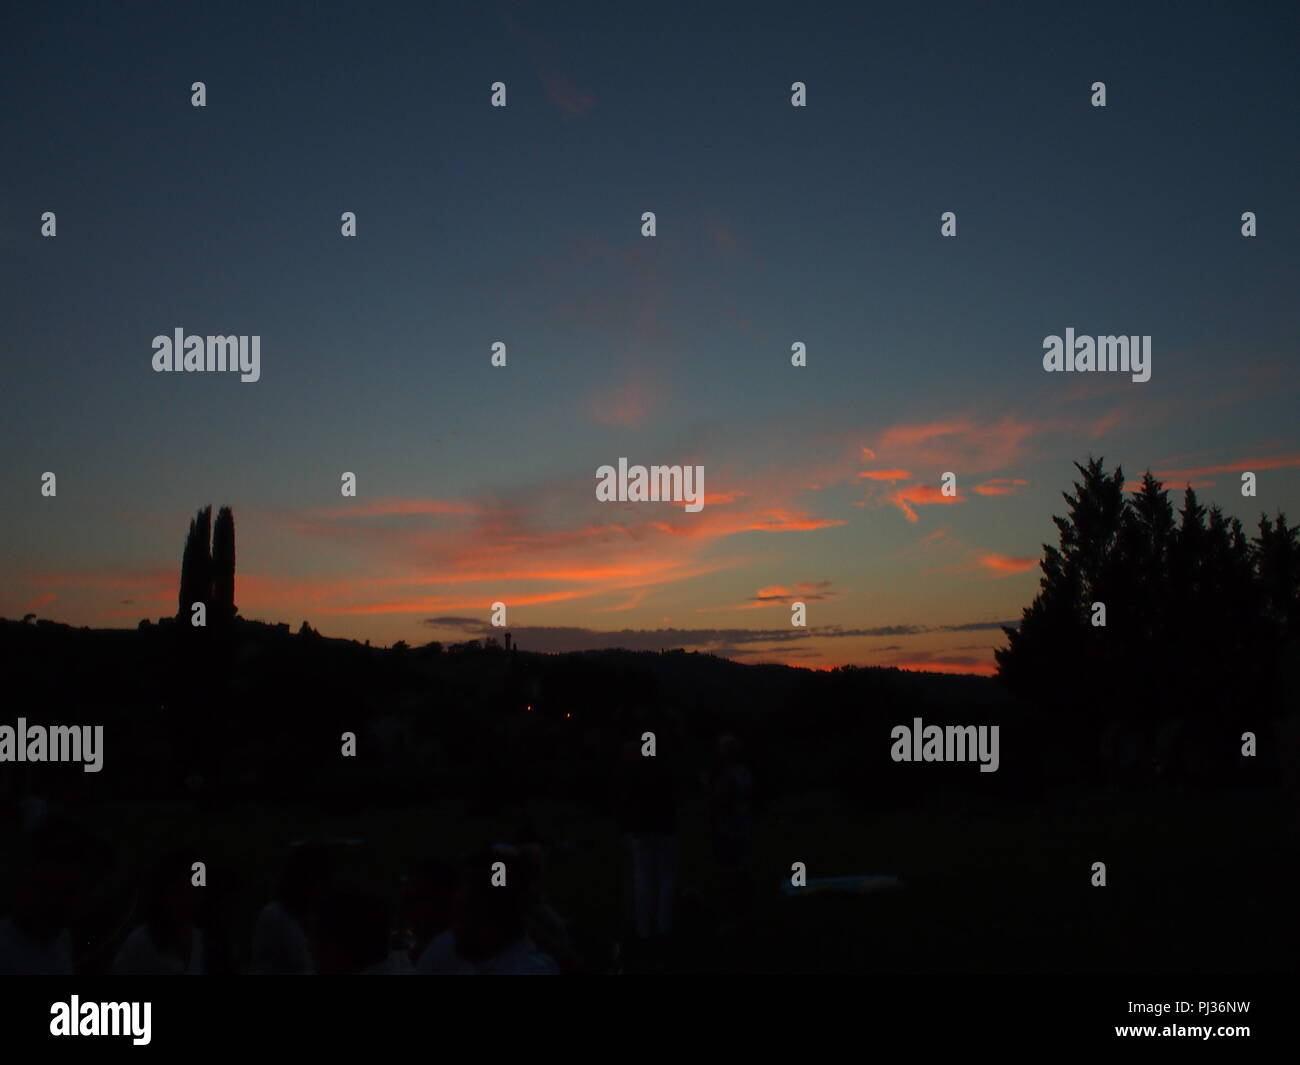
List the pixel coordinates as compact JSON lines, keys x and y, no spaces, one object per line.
{"x":196,"y":564}
{"x":223,"y":565}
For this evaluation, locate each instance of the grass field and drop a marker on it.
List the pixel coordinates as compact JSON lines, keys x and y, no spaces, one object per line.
{"x":1195,"y":883}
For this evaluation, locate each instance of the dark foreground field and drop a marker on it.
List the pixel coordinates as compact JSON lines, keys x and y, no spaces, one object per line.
{"x":1195,"y":883}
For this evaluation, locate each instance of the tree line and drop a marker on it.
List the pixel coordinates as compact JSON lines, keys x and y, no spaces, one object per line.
{"x":1197,"y":612}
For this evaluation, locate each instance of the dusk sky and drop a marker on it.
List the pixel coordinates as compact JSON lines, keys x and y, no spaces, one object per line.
{"x":522,"y":224}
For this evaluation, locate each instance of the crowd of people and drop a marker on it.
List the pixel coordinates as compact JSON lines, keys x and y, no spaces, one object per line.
{"x":487,"y":913}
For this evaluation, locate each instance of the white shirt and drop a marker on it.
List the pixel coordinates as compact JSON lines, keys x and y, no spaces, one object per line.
{"x":280,"y":945}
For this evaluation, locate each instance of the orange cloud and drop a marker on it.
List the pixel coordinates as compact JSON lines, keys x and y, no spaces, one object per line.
{"x":632,"y":603}
{"x":885,"y":475}
{"x":424,"y":604}
{"x":1000,"y":486}
{"x":776,"y":520}
{"x":440,"y":556}
{"x":918,"y":495}
{"x":551,"y":543}
{"x":923,"y":432}
{"x":1005,"y":566}
{"x":1275,"y":462}
{"x":980,"y":444}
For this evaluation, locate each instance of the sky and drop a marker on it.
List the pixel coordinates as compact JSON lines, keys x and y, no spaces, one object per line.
{"x":774,"y":225}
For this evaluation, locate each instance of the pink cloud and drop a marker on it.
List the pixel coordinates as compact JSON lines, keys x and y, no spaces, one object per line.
{"x":974,"y":445}
{"x":1000,"y":486}
{"x":1004,"y":565}
{"x":1274,"y":462}
{"x":919,"y":495}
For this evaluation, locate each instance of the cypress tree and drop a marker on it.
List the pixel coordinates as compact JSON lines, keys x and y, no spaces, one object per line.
{"x":196,"y":564}
{"x":223,"y":565}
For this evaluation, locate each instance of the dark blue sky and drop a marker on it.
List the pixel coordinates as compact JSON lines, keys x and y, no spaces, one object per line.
{"x":522,"y":224}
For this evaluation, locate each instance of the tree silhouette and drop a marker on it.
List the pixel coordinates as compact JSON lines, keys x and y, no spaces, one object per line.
{"x":196,"y":564}
{"x":223,"y":566}
{"x":208,"y":566}
{"x":1277,"y":553}
{"x":1196,"y":613}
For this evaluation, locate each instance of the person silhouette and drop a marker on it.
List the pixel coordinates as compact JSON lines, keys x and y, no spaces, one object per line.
{"x":280,"y":938}
{"x":168,"y":942}
{"x":489,"y":933}
{"x":36,"y":936}
{"x":647,"y":813}
{"x":731,"y":794}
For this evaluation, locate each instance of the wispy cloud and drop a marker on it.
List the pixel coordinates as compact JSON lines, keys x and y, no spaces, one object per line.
{"x":1000,"y":486}
{"x":1004,"y":566}
{"x":560,"y":90}
{"x":779,"y":595}
{"x":973,"y":444}
{"x":1265,"y":462}
{"x":430,"y":555}
{"x":919,"y":495}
